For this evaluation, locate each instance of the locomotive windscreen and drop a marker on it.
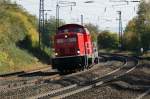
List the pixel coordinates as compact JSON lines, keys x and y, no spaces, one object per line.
{"x":69,"y":40}
{"x":71,"y":28}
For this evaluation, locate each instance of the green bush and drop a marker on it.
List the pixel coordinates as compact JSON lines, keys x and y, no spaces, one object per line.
{"x":108,"y":40}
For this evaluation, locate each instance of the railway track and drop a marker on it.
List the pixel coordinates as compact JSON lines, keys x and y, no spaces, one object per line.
{"x":85,"y":85}
{"x":15,"y":74}
{"x":141,"y":96}
{"x":47,"y":82}
{"x":24,"y":79}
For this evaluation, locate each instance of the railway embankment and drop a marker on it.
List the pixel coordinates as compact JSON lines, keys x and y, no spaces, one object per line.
{"x":18,"y":38}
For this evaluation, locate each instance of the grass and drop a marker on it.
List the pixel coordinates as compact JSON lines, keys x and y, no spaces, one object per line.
{"x":14,"y":59}
{"x":10,"y":69}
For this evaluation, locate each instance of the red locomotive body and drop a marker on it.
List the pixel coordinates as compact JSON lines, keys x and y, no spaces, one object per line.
{"x":73,"y":48}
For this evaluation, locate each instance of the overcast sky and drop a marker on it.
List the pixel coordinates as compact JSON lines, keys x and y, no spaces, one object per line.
{"x":101,"y":12}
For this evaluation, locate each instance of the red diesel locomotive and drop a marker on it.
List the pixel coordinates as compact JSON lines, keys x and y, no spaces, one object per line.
{"x":73,"y":48}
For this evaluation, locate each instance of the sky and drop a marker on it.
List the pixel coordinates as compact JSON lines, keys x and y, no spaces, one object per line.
{"x":100,"y":12}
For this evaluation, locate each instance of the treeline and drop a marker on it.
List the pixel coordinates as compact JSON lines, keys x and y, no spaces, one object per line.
{"x":136,"y":36}
{"x":16,"y":23}
{"x":18,"y":34}
{"x":137,"y":32}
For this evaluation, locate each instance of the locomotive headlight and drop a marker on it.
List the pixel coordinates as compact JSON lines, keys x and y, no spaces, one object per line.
{"x":56,"y":54}
{"x":78,"y":52}
{"x":66,"y":36}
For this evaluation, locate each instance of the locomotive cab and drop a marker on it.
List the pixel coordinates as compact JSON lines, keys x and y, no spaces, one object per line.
{"x":73,"y":48}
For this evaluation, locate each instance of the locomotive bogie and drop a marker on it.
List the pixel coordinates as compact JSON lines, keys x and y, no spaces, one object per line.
{"x":71,"y":63}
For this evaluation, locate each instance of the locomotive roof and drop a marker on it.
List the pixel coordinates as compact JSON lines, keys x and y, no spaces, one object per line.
{"x":70,"y":25}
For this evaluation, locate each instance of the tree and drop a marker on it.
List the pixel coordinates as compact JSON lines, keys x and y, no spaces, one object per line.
{"x":5,"y":1}
{"x":50,"y":30}
{"x":130,"y":41}
{"x":130,"y":36}
{"x":107,"y":39}
{"x":143,"y":24}
{"x":137,"y":32}
{"x":131,"y":26}
{"x":93,"y":29}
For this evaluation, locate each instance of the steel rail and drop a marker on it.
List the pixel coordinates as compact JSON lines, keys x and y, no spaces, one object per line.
{"x":71,"y":75}
{"x":27,"y":82}
{"x":143,"y":94}
{"x":83,"y":88}
{"x":101,"y":82}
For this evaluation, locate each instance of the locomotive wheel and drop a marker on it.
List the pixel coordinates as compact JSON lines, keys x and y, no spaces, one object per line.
{"x":96,"y":60}
{"x":62,"y":71}
{"x":83,"y":68}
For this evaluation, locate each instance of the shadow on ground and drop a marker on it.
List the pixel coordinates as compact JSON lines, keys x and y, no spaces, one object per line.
{"x":38,"y":73}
